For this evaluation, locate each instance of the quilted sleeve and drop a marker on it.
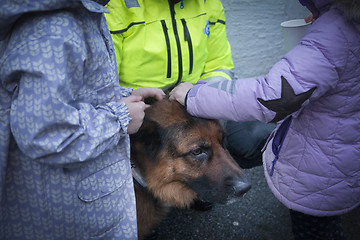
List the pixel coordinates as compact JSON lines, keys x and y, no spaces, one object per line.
{"x":304,"y":75}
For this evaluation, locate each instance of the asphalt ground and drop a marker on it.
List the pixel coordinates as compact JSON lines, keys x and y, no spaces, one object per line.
{"x":258,"y":216}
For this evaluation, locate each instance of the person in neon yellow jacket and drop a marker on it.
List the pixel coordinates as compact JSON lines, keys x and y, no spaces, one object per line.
{"x":160,"y":43}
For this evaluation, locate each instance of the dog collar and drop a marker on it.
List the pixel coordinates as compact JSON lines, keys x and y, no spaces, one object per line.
{"x":138,"y":179}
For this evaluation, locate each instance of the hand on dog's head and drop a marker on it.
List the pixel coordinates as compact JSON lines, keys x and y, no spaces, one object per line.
{"x":150,"y":100}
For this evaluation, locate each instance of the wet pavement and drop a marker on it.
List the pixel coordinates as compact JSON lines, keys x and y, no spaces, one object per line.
{"x":259,"y":216}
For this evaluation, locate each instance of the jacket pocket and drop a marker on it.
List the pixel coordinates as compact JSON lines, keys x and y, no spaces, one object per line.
{"x":103,"y":196}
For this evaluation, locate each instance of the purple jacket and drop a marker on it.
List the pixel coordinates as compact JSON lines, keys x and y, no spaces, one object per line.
{"x":312,"y":163}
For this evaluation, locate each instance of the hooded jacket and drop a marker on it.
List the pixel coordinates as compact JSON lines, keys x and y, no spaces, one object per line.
{"x":64,"y":150}
{"x":159,"y":43}
{"x":312,"y":160}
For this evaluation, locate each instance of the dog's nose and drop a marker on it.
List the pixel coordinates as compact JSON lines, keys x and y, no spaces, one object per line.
{"x":241,"y":188}
{"x":240,"y":185}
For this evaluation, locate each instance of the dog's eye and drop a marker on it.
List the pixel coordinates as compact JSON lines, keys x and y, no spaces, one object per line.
{"x":196,"y":151}
{"x":199,"y":154}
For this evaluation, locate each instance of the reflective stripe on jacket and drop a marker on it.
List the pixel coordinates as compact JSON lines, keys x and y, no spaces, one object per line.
{"x":160,"y":43}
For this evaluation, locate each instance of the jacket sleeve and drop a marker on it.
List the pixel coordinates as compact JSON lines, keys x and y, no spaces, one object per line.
{"x":302,"y":76}
{"x":219,"y":64}
{"x":48,"y":122}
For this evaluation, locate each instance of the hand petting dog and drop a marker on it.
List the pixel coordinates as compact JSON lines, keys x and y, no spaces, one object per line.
{"x":145,"y":92}
{"x":180,"y":91}
{"x":136,"y":106}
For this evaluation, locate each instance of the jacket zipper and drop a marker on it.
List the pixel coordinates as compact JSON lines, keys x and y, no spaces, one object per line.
{"x":172,"y":12}
{"x":168,"y":75}
{"x":188,"y":39}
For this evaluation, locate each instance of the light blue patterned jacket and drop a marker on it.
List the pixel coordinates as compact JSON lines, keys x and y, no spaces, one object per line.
{"x":64,"y":149}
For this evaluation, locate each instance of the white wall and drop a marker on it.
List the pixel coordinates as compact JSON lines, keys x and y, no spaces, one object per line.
{"x":254,"y":32}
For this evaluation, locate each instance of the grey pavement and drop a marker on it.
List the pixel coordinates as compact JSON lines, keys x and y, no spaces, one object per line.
{"x":259,"y":216}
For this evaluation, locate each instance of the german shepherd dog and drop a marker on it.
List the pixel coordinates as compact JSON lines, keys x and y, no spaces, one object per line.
{"x":180,"y":159}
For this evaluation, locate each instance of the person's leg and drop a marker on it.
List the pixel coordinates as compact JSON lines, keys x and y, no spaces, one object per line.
{"x":307,"y":227}
{"x":245,"y":141}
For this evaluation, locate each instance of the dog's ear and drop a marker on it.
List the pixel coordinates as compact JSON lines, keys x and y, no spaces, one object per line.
{"x":148,"y":140}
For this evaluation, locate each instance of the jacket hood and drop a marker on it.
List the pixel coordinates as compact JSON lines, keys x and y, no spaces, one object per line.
{"x":11,"y":10}
{"x":351,"y":8}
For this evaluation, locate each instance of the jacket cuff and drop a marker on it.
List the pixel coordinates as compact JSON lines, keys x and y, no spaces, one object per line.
{"x":125,"y":91}
{"x":120,"y":110}
{"x":186,"y":97}
{"x":192,"y":92}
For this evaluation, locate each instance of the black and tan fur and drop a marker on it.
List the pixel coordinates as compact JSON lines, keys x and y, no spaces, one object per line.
{"x":181,"y":158}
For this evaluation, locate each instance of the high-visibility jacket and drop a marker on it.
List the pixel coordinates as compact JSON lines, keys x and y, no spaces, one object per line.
{"x":159,"y":43}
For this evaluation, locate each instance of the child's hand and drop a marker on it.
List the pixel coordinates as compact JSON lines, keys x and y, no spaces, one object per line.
{"x":149,"y":92}
{"x":179,"y":92}
{"x":309,"y":18}
{"x":136,"y":111}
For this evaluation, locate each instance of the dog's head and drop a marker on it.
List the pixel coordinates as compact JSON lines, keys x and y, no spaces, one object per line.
{"x":183,"y":158}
